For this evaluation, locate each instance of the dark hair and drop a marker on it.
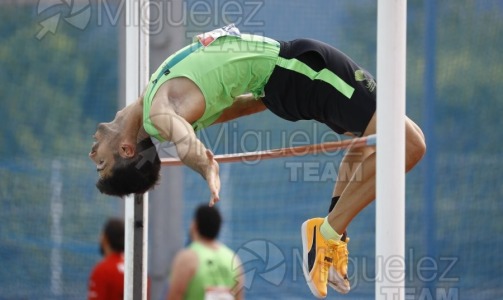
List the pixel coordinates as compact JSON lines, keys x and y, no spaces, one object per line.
{"x":133,"y":175}
{"x":208,"y":221}
{"x":114,"y":233}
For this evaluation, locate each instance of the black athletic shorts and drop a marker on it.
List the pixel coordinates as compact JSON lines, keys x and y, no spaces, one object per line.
{"x":315,"y":81}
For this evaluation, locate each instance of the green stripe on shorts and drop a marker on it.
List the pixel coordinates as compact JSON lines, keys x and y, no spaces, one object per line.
{"x":323,"y":75}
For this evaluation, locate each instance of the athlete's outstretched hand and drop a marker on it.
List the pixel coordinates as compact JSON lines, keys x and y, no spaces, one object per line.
{"x":213,"y":177}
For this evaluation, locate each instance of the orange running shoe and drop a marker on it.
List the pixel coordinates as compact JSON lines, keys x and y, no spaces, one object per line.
{"x":338,"y":273}
{"x":317,"y":257}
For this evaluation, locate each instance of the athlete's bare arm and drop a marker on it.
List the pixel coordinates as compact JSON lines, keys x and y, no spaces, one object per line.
{"x":184,"y":268}
{"x":174,"y":106}
{"x":238,"y":290}
{"x":242,"y":106}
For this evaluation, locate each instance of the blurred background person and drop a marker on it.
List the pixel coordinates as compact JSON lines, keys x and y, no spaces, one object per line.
{"x":206,"y":269}
{"x":107,"y":277}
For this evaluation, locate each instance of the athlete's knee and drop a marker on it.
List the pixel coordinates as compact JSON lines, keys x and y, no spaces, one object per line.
{"x":416,"y":146}
{"x":418,"y":130}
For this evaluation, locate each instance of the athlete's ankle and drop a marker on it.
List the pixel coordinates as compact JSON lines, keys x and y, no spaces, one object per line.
{"x":328,"y":232}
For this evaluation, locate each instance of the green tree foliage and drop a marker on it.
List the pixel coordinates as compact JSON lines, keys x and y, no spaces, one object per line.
{"x":46,"y":85}
{"x":54,"y":92}
{"x":470,"y":68}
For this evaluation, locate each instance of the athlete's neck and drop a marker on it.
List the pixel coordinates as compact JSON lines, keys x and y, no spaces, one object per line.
{"x":130,"y":120}
{"x":210,"y":243}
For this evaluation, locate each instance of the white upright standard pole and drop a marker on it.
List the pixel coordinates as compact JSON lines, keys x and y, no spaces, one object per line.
{"x":390,"y":181}
{"x":136,"y":211}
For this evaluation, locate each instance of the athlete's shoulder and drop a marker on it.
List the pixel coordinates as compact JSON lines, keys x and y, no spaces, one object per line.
{"x":186,"y":256}
{"x":186,"y":259}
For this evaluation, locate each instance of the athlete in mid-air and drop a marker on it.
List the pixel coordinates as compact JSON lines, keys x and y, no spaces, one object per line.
{"x":224,"y":75}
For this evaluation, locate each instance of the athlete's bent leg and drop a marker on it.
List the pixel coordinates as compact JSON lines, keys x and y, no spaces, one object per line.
{"x":359,"y":191}
{"x":348,"y":169}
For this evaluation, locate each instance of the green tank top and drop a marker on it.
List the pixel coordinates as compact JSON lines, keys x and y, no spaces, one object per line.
{"x":215,"y":269}
{"x":228,"y":67}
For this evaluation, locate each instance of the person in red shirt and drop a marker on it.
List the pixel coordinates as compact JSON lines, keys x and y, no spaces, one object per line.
{"x":107,"y":278}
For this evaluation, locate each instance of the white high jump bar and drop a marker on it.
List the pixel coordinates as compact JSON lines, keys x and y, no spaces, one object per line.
{"x":136,"y":211}
{"x":390,"y":174}
{"x":285,"y":152}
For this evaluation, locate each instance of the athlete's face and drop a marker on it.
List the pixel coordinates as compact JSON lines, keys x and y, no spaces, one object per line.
{"x":104,"y":148}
